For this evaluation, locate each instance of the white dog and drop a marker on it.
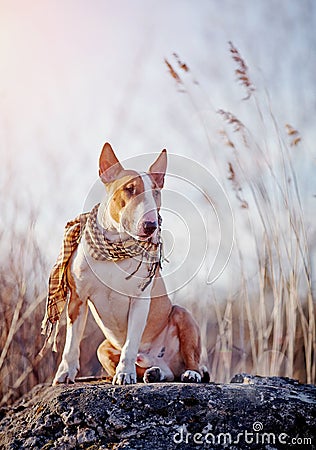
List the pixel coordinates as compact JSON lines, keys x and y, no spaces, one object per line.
{"x":115,"y":270}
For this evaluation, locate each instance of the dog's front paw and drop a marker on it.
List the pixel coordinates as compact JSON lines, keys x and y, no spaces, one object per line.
{"x":152,"y":375}
{"x":191,"y":376}
{"x":66,"y":373}
{"x":125,"y":378}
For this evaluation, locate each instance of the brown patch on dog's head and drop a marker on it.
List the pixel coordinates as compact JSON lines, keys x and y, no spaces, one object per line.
{"x":124,"y":190}
{"x":130,"y":203}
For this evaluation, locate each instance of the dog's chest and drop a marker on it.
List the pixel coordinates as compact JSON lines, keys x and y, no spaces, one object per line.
{"x":109,"y":280}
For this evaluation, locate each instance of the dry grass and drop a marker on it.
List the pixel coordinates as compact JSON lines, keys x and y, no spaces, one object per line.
{"x":22,"y":301}
{"x":268,"y":327}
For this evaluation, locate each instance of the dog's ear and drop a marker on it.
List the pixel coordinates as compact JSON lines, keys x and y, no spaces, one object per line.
{"x":109,"y":165}
{"x":158,"y":169}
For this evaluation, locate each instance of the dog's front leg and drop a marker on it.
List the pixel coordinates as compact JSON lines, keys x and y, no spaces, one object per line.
{"x":137,"y":317}
{"x":69,"y":365}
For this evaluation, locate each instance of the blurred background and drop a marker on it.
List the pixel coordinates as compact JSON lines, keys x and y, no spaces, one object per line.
{"x":144,"y":76}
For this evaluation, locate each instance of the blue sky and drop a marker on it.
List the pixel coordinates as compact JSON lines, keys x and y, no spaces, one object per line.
{"x":75,"y":74}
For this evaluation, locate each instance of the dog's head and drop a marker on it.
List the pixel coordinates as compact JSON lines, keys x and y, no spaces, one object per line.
{"x":133,"y":199}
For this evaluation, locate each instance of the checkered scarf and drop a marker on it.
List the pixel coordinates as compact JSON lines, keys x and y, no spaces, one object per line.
{"x":101,"y":249}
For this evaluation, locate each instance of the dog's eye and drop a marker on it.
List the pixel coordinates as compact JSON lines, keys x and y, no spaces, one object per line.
{"x":130,"y":190}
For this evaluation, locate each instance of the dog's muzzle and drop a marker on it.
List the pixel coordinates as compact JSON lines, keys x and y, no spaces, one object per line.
{"x":149,"y":228}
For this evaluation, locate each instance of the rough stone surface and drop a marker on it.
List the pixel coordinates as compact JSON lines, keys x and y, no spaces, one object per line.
{"x":248,"y":413}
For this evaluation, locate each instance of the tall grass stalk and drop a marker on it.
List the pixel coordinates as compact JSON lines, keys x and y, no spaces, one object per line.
{"x":279,"y":318}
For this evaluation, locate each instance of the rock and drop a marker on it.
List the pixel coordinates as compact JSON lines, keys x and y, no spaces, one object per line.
{"x":248,"y":413}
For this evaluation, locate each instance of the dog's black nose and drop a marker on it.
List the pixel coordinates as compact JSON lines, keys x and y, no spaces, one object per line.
{"x":149,"y":227}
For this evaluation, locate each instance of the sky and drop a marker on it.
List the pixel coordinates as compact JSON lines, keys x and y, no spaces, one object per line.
{"x":75,"y":74}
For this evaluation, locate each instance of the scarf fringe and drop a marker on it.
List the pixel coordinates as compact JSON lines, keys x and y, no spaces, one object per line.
{"x":50,"y":331}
